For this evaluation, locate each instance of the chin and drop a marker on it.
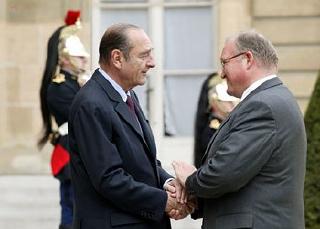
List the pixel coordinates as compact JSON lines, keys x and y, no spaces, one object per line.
{"x":230,"y":92}
{"x":142,"y":81}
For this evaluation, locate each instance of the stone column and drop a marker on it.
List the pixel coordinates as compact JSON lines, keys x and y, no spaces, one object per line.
{"x":155,"y":87}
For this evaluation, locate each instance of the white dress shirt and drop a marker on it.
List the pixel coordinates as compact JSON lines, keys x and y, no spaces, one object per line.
{"x":255,"y":85}
{"x":115,"y":85}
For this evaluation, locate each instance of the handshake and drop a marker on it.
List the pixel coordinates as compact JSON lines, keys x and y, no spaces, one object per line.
{"x":179,"y":204}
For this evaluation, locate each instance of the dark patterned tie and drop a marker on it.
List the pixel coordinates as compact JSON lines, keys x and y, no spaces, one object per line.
{"x":130,"y":104}
{"x":132,"y":109}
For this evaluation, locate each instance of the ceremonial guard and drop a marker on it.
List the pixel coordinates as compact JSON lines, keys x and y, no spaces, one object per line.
{"x":214,"y":105}
{"x":64,"y":74}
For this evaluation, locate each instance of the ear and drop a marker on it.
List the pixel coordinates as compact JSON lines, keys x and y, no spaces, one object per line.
{"x":249,"y":59}
{"x":116,"y":58}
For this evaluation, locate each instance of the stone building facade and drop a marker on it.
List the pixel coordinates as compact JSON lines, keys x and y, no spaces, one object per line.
{"x":25,"y":26}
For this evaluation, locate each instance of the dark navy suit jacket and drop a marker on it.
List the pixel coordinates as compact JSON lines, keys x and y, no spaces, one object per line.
{"x":117,"y":178}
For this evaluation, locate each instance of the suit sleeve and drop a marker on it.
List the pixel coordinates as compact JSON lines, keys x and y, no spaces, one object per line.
{"x":240,"y":156}
{"x":93,"y":132}
{"x":162,"y":174}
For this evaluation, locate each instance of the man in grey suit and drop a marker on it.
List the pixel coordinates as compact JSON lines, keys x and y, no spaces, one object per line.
{"x":252,"y":175}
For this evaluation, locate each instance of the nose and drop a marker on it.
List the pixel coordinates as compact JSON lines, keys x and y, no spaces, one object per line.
{"x":151,"y":62}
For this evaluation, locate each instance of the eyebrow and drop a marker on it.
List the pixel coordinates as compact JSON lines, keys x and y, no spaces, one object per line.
{"x":146,"y":51}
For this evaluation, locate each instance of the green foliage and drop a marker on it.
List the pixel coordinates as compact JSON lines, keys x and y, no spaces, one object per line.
{"x":312,"y":181}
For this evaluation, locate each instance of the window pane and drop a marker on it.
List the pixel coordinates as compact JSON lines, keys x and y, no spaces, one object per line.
{"x":188,"y":38}
{"x":181,"y":97}
{"x":136,"y":17}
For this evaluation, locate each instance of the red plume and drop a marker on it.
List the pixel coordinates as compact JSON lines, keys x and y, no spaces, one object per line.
{"x":71,"y":17}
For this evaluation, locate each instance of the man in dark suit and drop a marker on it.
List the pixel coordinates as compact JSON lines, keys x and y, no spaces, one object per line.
{"x":252,"y":175}
{"x":117,"y":179}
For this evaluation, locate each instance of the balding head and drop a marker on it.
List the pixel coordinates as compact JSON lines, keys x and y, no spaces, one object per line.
{"x":261,"y":48}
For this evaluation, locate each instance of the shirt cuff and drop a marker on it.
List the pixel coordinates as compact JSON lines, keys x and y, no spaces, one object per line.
{"x":167,"y":181}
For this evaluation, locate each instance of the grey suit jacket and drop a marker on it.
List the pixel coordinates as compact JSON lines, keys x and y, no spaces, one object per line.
{"x":252,"y":175}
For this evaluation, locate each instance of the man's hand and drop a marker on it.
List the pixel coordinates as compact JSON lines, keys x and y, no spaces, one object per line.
{"x":176,"y":210}
{"x":182,"y":171}
{"x":176,"y":190}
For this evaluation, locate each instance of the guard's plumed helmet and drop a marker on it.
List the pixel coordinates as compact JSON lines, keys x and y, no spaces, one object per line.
{"x":220,"y":102}
{"x":69,"y":43}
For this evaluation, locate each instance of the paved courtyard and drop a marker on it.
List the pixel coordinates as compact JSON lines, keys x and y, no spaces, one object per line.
{"x":31,"y":201}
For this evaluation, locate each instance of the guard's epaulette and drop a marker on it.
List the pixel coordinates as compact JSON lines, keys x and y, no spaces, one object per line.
{"x":214,"y":124}
{"x":59,"y":78}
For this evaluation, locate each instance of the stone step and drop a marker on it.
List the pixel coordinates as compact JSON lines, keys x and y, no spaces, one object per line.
{"x":18,"y":191}
{"x":32,"y":202}
{"x":29,"y":202}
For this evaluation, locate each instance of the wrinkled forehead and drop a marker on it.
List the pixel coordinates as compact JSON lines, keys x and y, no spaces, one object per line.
{"x":139,"y":39}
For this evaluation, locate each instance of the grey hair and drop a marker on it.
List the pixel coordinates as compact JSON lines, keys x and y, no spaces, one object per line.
{"x":261,"y":48}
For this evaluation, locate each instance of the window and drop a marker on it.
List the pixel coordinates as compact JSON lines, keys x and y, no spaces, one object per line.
{"x":188,"y":54}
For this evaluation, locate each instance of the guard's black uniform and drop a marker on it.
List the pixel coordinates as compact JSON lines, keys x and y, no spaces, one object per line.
{"x":59,"y":98}
{"x":203,"y":130}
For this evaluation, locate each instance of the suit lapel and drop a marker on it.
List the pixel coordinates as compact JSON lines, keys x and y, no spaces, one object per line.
{"x":265,"y":85}
{"x":121,"y":107}
{"x":213,"y":138}
{"x":147,"y":132}
{"x":123,"y":110}
{"x":148,"y":137}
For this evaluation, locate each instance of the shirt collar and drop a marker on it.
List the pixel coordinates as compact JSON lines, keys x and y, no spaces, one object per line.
{"x":115,"y":85}
{"x":255,"y":85}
